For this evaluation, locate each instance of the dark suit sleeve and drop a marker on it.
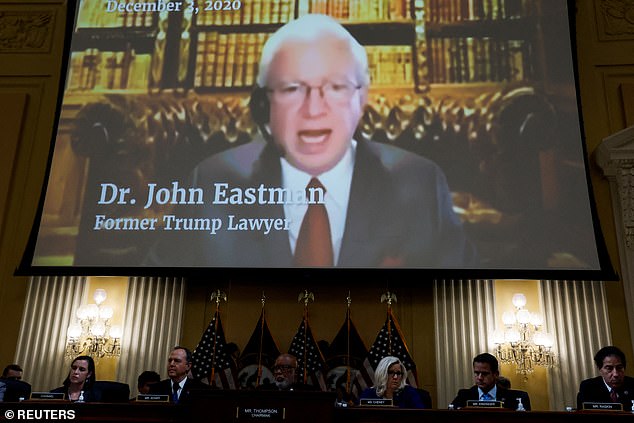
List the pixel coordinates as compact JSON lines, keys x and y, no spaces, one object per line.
{"x":409,"y":398}
{"x":461,"y":398}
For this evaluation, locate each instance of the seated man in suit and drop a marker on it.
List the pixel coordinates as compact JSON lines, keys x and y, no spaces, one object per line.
{"x":486,"y":373}
{"x":179,"y":387}
{"x":285,"y":374}
{"x":612,"y":385}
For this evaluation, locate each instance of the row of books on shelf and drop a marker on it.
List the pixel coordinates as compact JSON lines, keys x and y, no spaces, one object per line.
{"x":95,"y":70}
{"x":93,"y":14}
{"x":464,"y":60}
{"x":443,"y":11}
{"x":249,"y":12}
{"x":231,"y":60}
{"x":227,"y":60}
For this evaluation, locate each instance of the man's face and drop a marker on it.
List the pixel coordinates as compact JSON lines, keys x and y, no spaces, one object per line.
{"x":284,"y":372}
{"x":314,"y":132}
{"x":613,"y":371}
{"x":483,"y":377}
{"x":177,"y":365}
{"x":14,"y":375}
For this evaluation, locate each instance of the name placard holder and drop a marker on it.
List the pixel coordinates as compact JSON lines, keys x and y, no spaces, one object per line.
{"x":376,"y":402}
{"x":260,"y":413}
{"x":484,"y":404}
{"x":602,"y":406}
{"x":152,"y":398}
{"x":47,"y":396}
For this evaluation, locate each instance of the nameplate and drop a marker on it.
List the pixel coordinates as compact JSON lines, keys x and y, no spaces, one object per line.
{"x":152,"y":398}
{"x":602,"y":406}
{"x":260,"y":413}
{"x":484,"y":404}
{"x":376,"y":402}
{"x":47,"y":396}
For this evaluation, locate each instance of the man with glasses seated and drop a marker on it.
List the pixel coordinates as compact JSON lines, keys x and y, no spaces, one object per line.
{"x":285,"y":376}
{"x":376,"y":205}
{"x":390,"y":376}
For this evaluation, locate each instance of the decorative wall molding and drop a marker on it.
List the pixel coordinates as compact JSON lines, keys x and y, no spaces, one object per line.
{"x":615,"y":19}
{"x":615,"y":156}
{"x":25,"y":31}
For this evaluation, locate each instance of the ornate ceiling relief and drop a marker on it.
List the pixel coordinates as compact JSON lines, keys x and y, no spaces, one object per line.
{"x":25,"y":31}
{"x":616,"y":19}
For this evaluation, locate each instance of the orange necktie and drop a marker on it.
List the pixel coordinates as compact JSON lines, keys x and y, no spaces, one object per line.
{"x":314,"y":245}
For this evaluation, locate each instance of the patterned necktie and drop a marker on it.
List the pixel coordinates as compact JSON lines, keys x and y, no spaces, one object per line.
{"x":487,"y":397}
{"x":614,"y":396}
{"x":175,"y":389}
{"x":314,"y":244}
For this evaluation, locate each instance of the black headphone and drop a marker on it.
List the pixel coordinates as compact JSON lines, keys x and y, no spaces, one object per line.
{"x":260,"y":110}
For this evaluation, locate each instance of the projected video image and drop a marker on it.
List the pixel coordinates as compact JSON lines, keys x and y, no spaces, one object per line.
{"x":439,"y":134}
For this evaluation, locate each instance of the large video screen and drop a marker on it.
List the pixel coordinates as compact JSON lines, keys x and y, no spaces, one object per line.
{"x":438,"y":136}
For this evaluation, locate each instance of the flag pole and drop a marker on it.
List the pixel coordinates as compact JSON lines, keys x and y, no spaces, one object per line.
{"x":306,"y":297}
{"x":348,"y":370}
{"x":215,"y":296}
{"x":262,"y":314}
{"x":388,"y":298}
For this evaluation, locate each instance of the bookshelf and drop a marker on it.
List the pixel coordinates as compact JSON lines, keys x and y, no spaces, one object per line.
{"x":415,"y":44}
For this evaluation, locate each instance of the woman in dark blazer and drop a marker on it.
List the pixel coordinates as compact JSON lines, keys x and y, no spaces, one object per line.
{"x":79,"y":383}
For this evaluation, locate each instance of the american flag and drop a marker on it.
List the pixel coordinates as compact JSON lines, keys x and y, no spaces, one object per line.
{"x":258,"y":357}
{"x":310,"y":361}
{"x":390,"y":341}
{"x":345,"y":361}
{"x":211,"y":361}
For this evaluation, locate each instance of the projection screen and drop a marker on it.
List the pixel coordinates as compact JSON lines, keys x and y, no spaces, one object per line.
{"x":468,"y":157}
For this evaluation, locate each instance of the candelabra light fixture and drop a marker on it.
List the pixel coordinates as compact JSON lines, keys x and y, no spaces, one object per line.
{"x":523,"y":342}
{"x":91,"y":333}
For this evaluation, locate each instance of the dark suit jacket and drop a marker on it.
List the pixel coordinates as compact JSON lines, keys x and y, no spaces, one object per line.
{"x":507,"y":396}
{"x":15,"y":389}
{"x":90,"y":395}
{"x":594,"y":390}
{"x":188,"y":392}
{"x":399,"y":214}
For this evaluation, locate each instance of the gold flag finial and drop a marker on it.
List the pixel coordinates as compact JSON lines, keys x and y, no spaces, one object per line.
{"x":218,"y":296}
{"x":306,"y":297}
{"x":388,"y":297}
{"x":263,"y":299}
{"x":348,"y":300}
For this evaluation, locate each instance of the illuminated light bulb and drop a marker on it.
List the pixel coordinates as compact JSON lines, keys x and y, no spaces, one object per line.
{"x":519,"y":300}
{"x":537,"y":319}
{"x":98,"y":329}
{"x":523,"y":316}
{"x":508,"y":318}
{"x":92,"y":311}
{"x":74,"y":331}
{"x":99,"y":296}
{"x":106,"y":312}
{"x":116,"y":332}
{"x":498,"y":337}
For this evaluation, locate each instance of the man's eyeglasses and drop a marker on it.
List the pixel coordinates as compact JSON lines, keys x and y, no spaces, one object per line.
{"x":397,"y":373}
{"x":283,"y":368}
{"x":294,"y":93}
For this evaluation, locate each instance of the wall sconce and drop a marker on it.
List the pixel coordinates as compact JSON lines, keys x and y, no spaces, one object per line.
{"x":523,"y":342}
{"x":91,"y":334}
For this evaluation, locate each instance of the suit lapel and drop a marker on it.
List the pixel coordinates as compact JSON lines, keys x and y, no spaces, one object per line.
{"x":275,"y":246}
{"x":367,"y":232}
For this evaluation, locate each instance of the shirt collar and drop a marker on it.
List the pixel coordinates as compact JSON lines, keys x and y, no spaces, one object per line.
{"x":493,"y":392}
{"x":297,"y":180}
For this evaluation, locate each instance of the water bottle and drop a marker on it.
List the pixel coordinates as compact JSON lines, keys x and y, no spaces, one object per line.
{"x":520,"y":406}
